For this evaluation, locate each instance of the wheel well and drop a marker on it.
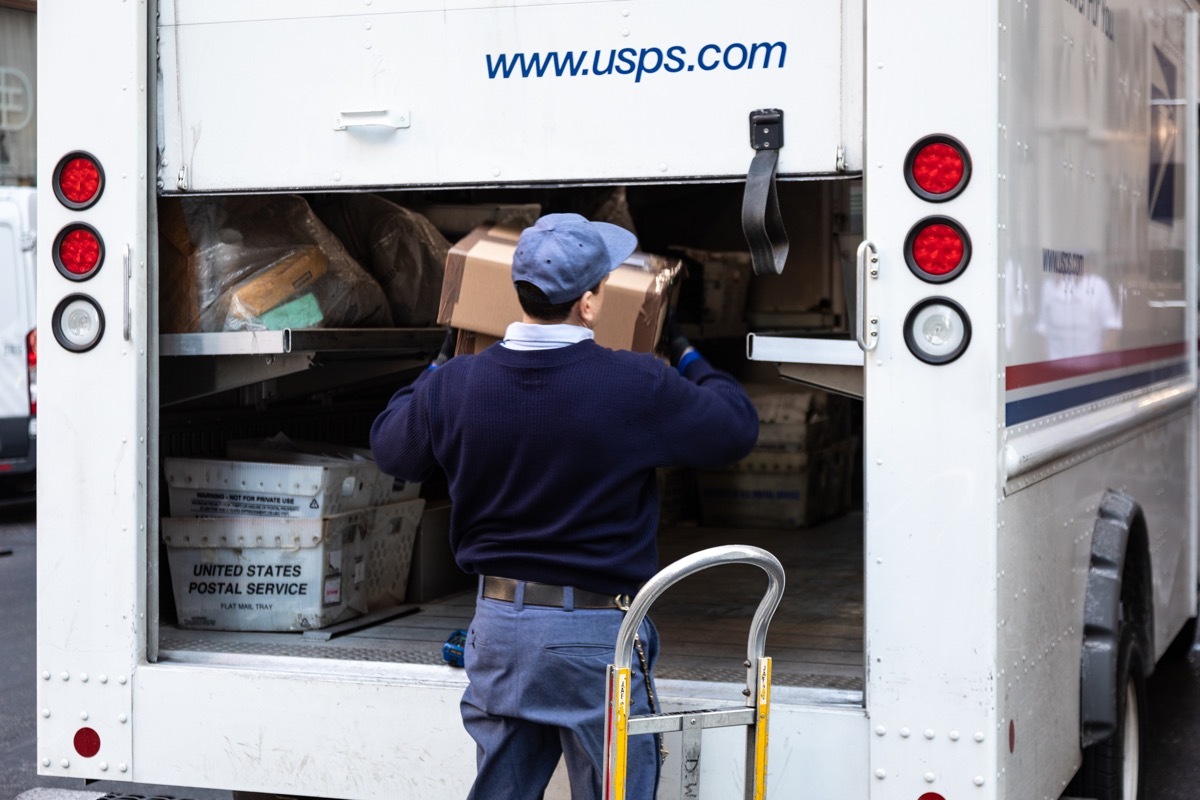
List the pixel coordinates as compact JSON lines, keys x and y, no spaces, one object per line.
{"x":1137,"y":591}
{"x":1118,"y":594}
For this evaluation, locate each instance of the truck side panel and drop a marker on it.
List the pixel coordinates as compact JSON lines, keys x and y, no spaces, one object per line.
{"x":1098,"y":267}
{"x":400,"y":92}
{"x":1045,"y":547}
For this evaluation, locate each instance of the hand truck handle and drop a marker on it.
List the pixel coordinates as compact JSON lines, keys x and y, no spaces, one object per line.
{"x":689,"y":565}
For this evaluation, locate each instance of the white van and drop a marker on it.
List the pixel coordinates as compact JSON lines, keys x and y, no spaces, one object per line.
{"x":18,"y":338}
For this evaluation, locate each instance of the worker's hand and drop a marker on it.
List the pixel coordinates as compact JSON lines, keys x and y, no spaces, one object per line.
{"x":448,"y":345}
{"x":676,"y":343}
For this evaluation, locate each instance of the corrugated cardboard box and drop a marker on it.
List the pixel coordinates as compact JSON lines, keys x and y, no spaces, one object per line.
{"x":470,"y":343}
{"x":765,"y":490}
{"x":725,"y":278}
{"x":800,"y":471}
{"x":434,"y":572}
{"x":478,"y":293}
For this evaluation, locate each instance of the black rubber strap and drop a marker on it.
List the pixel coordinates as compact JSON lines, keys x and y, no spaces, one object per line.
{"x":761,"y":221}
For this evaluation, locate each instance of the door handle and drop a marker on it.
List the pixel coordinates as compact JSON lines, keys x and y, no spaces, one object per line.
{"x":379,"y":118}
{"x":868,"y":328}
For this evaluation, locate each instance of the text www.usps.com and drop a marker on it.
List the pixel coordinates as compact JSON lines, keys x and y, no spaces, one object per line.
{"x":636,"y":62}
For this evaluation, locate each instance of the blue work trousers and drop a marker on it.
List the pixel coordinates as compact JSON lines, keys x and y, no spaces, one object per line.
{"x":538,"y":678}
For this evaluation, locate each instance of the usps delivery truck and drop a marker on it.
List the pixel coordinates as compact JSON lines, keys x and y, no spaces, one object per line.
{"x":996,"y":201}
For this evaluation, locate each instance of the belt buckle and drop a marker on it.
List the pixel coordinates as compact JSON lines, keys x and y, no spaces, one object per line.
{"x":622,"y":601}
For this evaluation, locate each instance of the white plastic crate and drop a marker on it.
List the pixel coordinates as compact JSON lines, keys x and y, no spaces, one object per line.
{"x":226,"y":488}
{"x":389,"y":550}
{"x":390,"y":490}
{"x":267,"y":574}
{"x":281,"y":449}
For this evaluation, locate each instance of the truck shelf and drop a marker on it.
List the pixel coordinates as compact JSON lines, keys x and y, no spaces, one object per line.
{"x":201,"y":364}
{"x":815,"y":640}
{"x":306,"y":340}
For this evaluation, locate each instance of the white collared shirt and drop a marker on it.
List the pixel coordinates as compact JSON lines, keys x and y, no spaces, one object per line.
{"x":531,"y":336}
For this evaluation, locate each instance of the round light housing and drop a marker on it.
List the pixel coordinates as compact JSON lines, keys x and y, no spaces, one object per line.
{"x":78,"y":323}
{"x":78,"y":251}
{"x":937,"y":249}
{"x":78,"y":180}
{"x":937,"y":168}
{"x":937,"y":330}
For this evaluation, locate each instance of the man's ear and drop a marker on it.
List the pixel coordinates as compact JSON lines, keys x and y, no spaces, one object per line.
{"x":585,"y":308}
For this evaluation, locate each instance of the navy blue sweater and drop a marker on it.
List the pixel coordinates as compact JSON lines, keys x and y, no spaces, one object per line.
{"x":550,"y":455}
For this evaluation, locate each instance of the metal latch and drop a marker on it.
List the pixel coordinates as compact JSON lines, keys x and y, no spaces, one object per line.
{"x":766,"y":129}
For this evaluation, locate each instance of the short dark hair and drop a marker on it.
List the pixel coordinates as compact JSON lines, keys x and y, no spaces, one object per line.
{"x":535,"y":303}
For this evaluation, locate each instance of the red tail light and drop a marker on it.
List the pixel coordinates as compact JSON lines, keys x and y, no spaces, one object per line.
{"x":937,"y":249}
{"x":78,"y":251}
{"x":937,"y":168}
{"x":78,"y":180}
{"x":31,"y":352}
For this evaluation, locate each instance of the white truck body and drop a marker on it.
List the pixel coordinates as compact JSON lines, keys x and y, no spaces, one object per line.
{"x":983,"y":477}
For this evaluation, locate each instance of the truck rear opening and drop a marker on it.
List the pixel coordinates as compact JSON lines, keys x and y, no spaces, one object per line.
{"x":816,"y":640}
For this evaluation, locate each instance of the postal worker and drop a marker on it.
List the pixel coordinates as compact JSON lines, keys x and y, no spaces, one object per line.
{"x":549,"y":443}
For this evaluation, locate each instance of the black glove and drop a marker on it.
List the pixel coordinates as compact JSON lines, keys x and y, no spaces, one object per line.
{"x":677,"y":343}
{"x":448,"y":345}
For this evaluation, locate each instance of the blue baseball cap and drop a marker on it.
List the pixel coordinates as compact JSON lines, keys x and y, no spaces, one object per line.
{"x":565,"y":255}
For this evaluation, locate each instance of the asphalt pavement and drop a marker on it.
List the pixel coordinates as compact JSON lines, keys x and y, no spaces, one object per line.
{"x":18,"y":737}
{"x":1172,"y":757}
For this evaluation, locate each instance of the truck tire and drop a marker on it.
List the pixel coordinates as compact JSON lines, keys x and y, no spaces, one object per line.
{"x":1111,"y":769}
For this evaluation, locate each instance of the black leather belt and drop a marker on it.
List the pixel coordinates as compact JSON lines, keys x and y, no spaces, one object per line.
{"x":545,"y":594}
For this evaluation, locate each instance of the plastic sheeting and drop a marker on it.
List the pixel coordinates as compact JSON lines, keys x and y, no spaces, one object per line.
{"x":399,"y":247}
{"x":259,"y":263}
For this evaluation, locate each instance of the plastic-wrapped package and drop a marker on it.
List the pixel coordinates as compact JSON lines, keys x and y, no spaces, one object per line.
{"x":400,"y":247}
{"x":259,"y":262}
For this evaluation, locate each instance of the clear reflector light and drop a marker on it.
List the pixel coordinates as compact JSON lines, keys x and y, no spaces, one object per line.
{"x":78,"y":323}
{"x":937,"y":330}
{"x":78,"y":180}
{"x":937,"y":168}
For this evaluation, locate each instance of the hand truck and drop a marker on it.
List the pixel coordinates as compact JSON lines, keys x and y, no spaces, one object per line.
{"x":753,"y":716}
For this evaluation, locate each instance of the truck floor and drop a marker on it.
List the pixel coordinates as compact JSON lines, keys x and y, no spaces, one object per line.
{"x":815,"y":638}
